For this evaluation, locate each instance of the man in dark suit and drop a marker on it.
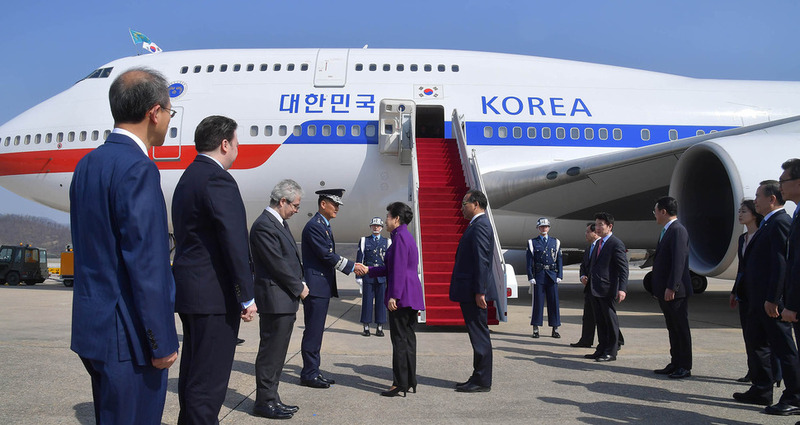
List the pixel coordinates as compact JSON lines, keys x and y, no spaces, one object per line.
{"x":672,"y":285}
{"x":279,"y":288}
{"x":587,"y":321}
{"x":608,"y":280}
{"x":320,"y":263}
{"x":472,"y":285}
{"x":762,"y":287}
{"x":789,"y":182}
{"x":123,"y":320}
{"x":213,"y":274}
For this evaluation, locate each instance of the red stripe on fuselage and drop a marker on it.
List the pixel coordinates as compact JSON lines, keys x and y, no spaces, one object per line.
{"x":65,"y":160}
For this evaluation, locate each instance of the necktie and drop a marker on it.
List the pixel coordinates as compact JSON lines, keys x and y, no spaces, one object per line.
{"x":286,"y":225}
{"x":662,"y":234}
{"x":599,"y":247}
{"x":545,"y":240}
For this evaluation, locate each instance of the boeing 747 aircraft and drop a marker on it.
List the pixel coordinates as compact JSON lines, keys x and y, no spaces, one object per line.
{"x":550,"y":138}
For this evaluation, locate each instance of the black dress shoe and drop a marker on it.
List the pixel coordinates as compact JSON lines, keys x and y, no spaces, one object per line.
{"x":326,"y":380}
{"x":581,"y":344}
{"x":782,"y":409}
{"x":473,"y":388}
{"x":606,"y":358}
{"x":680,"y":373}
{"x":365,"y":333}
{"x":314,"y":383}
{"x":591,"y":356}
{"x":666,"y":371}
{"x":555,"y":334}
{"x":535,"y":334}
{"x":393,"y":392}
{"x":287,"y":408}
{"x":379,"y":332}
{"x":239,"y":341}
{"x":271,"y":411}
{"x":750,"y":398}
{"x":461,"y":384}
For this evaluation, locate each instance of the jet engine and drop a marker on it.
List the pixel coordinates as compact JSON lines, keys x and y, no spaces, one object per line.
{"x":711,"y":179}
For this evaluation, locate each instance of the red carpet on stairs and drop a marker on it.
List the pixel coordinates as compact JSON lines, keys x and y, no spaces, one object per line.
{"x":441,"y":188}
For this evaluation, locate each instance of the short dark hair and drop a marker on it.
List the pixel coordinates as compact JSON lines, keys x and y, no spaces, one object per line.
{"x":751,"y":205}
{"x":591,"y":226}
{"x":773,"y":188}
{"x":479,"y":197}
{"x":793,"y":166}
{"x":606,"y":217}
{"x":210,"y":133}
{"x":401,"y":211}
{"x":134,"y":92}
{"x":668,"y":203}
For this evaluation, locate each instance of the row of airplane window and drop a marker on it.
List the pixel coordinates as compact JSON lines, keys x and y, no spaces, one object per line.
{"x":69,"y":136}
{"x":355,"y":131}
{"x":574,"y":133}
{"x":250,"y":67}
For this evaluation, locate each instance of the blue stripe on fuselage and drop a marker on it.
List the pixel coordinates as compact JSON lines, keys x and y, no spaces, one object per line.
{"x":630,"y":135}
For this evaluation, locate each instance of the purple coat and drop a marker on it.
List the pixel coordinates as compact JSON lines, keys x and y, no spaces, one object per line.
{"x":402,"y":280}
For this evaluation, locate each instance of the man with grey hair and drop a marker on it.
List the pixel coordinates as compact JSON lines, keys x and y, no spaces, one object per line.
{"x":123,"y":320}
{"x":279,"y":288}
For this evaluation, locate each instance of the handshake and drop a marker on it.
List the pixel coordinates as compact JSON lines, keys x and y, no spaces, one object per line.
{"x":360,"y":269}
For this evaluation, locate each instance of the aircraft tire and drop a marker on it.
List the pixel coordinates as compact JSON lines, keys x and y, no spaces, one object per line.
{"x":647,"y":282}
{"x":699,"y":283}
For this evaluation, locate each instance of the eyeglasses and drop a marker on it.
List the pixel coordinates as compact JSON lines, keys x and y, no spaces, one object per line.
{"x":172,"y":112}
{"x":780,"y":182}
{"x":295,"y":206}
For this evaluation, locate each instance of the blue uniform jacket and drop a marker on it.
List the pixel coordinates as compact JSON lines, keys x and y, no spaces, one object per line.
{"x":124,"y":293}
{"x":373,"y":256}
{"x":545,"y":260}
{"x":320,"y":259}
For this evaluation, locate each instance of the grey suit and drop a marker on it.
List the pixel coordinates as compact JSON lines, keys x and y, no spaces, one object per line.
{"x":278,"y":285}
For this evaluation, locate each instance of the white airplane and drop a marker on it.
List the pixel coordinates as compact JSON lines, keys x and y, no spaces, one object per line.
{"x":552,"y":138}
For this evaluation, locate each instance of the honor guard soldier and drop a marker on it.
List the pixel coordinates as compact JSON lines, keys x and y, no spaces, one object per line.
{"x":545,"y":271}
{"x":371,"y":250}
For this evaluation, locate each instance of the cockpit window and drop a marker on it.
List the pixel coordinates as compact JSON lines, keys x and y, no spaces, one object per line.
{"x":99,"y":73}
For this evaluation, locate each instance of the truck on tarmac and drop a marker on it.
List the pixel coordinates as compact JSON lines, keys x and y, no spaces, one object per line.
{"x":23,"y":263}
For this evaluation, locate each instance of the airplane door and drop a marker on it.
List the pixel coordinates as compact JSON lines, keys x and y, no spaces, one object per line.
{"x":331,"y":68}
{"x":396,"y":119}
{"x":171,"y":149}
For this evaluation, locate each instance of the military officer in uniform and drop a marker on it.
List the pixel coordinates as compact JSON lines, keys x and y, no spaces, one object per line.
{"x":545,"y":271}
{"x":371,"y":250}
{"x":320,"y":263}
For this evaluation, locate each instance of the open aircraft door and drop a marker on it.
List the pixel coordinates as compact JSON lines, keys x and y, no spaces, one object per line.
{"x":171,"y":149}
{"x":396,"y":122}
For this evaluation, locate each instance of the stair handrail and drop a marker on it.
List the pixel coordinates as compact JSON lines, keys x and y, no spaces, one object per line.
{"x":417,"y":227}
{"x":472,"y":173}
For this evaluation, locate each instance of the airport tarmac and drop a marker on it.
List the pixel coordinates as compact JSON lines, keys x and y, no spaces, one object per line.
{"x":535,"y":380}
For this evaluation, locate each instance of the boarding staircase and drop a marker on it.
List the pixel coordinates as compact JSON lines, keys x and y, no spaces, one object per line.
{"x":442,"y":172}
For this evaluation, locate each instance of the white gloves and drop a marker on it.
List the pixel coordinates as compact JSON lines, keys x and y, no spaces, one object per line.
{"x":360,"y":283}
{"x":558,"y":280}
{"x":533,"y":281}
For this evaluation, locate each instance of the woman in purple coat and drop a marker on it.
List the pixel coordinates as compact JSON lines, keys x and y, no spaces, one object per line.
{"x":403,"y":298}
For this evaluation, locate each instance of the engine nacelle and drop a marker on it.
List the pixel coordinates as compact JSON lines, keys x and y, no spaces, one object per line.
{"x":711,"y":179}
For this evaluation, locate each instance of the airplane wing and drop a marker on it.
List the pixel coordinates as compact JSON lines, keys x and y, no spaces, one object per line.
{"x":576,"y":189}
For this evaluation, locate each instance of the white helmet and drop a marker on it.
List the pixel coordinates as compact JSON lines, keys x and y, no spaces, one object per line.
{"x":376,"y":221}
